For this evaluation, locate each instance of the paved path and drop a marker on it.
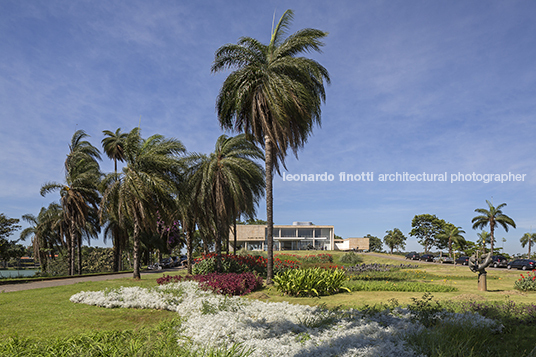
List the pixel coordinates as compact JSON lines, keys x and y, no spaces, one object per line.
{"x":67,"y":281}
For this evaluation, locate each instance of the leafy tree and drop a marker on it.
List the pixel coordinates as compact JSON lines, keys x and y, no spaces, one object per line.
{"x":492,"y":216}
{"x":395,"y":239}
{"x":8,"y":226}
{"x":528,"y":239}
{"x":79,"y":194}
{"x":227,"y":181}
{"x":426,"y":227}
{"x":274,"y":96}
{"x":452,"y":234}
{"x":148,"y":183}
{"x":46,"y":231}
{"x":375,"y":243}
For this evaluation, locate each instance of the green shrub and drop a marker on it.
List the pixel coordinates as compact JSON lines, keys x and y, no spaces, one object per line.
{"x":351,"y":258}
{"x":526,"y":283}
{"x":310,"y":282}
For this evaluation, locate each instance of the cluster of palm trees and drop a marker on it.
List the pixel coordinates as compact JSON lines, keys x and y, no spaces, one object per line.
{"x":272,"y":98}
{"x":159,"y":183}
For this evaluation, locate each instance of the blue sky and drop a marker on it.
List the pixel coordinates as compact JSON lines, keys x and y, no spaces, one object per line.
{"x":417,"y":86}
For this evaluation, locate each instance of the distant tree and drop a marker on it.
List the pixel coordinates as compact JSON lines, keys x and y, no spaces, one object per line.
{"x":483,"y":238}
{"x":336,"y":237}
{"x":426,"y":227}
{"x":451,"y":234}
{"x":375,"y":243}
{"x":8,"y":226}
{"x":528,"y":239}
{"x":492,"y":216}
{"x":395,"y":239}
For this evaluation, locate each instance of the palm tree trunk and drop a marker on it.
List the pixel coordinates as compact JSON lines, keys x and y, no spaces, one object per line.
{"x":492,"y":229}
{"x":269,"y":211}
{"x":217,"y":245}
{"x":234,"y":242}
{"x":189,"y":248}
{"x":79,"y":236}
{"x":136,"y":274}
{"x":72,"y":251}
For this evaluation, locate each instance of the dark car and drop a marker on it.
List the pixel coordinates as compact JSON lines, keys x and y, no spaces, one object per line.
{"x":498,"y":261}
{"x":427,"y":257}
{"x":525,"y":264}
{"x":412,"y":256}
{"x":462,"y":261}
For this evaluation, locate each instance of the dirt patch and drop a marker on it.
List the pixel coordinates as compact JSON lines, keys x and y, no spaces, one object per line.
{"x":469,"y":297}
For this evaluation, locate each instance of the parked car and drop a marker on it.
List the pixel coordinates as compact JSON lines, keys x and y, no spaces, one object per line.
{"x":498,"y":261}
{"x":427,"y":257}
{"x":444,"y":260}
{"x":412,"y":256}
{"x":462,"y":261}
{"x":525,"y":264}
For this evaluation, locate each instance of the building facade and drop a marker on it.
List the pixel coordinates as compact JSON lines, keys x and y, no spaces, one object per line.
{"x":354,"y":244}
{"x":298,"y":236}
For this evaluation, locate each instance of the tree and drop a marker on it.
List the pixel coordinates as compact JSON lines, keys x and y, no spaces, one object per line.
{"x":483,"y":238}
{"x":148,"y":183}
{"x":452,"y":234}
{"x":426,"y":227}
{"x":395,"y":239}
{"x":113,"y":145}
{"x":528,"y":239}
{"x":227,"y":181}
{"x":79,"y":194}
{"x":273,"y":96}
{"x":7,"y":227}
{"x":375,"y":243}
{"x":46,"y":230}
{"x":492,"y":216}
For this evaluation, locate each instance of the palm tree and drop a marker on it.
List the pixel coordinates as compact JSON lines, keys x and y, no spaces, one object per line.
{"x":147,"y":184}
{"x":492,"y":216}
{"x":483,"y":238}
{"x":274,"y":96}
{"x":46,"y":230}
{"x":79,"y":194}
{"x":113,"y":145}
{"x":226,"y":181}
{"x":452,"y":234}
{"x":528,"y":239}
{"x":395,"y":239}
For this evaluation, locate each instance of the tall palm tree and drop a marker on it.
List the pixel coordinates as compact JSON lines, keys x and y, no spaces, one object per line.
{"x":528,"y":239}
{"x":46,"y":232}
{"x":147,"y":184}
{"x":453,"y":234}
{"x":227,"y":180}
{"x":274,"y":96}
{"x":79,"y":194}
{"x":113,"y":145}
{"x":492,"y":216}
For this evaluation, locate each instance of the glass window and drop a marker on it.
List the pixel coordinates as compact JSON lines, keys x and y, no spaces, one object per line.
{"x":288,"y":232}
{"x":305,"y":232}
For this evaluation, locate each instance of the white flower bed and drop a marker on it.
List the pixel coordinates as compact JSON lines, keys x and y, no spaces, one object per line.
{"x":274,"y":329}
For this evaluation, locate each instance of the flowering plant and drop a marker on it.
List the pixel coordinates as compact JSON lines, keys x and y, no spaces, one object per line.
{"x":225,"y":284}
{"x":526,"y":283}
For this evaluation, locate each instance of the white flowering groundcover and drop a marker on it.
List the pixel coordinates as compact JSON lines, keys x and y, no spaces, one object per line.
{"x":275,"y":329}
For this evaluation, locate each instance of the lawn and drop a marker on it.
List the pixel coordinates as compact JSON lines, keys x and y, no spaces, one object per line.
{"x":44,"y":314}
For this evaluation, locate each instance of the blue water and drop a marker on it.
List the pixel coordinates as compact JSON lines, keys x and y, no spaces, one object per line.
{"x":17,"y":273}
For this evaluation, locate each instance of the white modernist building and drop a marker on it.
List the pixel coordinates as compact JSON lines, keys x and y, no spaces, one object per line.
{"x":298,"y":236}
